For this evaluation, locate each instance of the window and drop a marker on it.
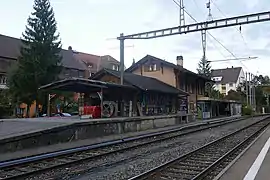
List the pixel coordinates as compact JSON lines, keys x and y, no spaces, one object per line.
{"x":89,"y":65}
{"x":3,"y":79}
{"x":74,"y":73}
{"x":67,"y":72}
{"x":231,"y":84}
{"x":200,"y":91}
{"x":81,"y":74}
{"x":223,"y":86}
{"x":152,"y":67}
{"x":115,"y":67}
{"x":191,"y":89}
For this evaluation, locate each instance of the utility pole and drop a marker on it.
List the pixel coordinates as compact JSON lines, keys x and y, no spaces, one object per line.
{"x":250,"y":95}
{"x":247,"y":87}
{"x":122,"y":47}
{"x":254,"y":92}
{"x":255,"y":97}
{"x":203,"y":32}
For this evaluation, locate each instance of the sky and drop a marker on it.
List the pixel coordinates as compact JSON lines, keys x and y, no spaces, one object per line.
{"x":92,"y":26}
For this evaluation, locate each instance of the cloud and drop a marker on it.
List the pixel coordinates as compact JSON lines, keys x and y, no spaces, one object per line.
{"x":87,"y":24}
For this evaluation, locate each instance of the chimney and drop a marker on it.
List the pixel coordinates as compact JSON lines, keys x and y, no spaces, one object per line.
{"x":69,"y":48}
{"x":179,"y":60}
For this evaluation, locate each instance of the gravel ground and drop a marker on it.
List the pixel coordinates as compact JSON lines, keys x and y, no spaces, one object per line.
{"x":135,"y":161}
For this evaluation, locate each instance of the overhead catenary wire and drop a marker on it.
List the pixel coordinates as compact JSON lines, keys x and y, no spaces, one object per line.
{"x":238,"y":30}
{"x":243,"y":59}
{"x":212,"y":35}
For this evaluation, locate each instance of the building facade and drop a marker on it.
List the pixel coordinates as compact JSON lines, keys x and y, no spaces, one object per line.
{"x":228,"y":79}
{"x":173,"y":74}
{"x":95,"y":63}
{"x":153,"y":97}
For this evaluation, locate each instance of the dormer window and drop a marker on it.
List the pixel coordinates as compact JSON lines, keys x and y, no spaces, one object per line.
{"x":89,"y":65}
{"x":217,"y":79}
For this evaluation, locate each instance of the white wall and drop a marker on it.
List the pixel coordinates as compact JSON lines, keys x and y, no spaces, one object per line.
{"x":234,"y":86}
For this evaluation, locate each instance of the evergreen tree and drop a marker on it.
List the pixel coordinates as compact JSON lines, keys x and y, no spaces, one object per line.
{"x":204,"y":67}
{"x":40,"y":60}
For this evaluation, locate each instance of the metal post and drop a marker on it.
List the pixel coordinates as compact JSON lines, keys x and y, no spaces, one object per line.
{"x":122,"y":57}
{"x":49,"y":106}
{"x":254,"y":93}
{"x":182,"y":13}
{"x":101,"y":102}
{"x":247,"y":87}
{"x":204,"y":46}
{"x":250,"y":84}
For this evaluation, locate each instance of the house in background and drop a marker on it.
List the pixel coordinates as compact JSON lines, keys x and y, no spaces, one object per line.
{"x":228,"y":79}
{"x":95,"y":63}
{"x":74,"y":64}
{"x":10,"y":51}
{"x":173,"y":74}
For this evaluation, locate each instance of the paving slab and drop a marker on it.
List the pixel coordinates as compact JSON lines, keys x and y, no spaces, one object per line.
{"x":252,"y":165}
{"x":16,"y":127}
{"x":78,"y":143}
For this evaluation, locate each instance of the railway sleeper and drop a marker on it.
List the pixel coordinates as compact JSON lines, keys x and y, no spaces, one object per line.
{"x":72,"y":158}
{"x":189,"y":168}
{"x":208,"y":154}
{"x":182,"y":171}
{"x":209,"y":159}
{"x":4,"y":176}
{"x":193,"y":162}
{"x":173,"y":176}
{"x":91,"y":154}
{"x":196,"y":165}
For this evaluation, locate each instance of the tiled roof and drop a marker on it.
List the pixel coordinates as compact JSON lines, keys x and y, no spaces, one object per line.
{"x":142,"y":82}
{"x":229,"y":75}
{"x":10,"y":49}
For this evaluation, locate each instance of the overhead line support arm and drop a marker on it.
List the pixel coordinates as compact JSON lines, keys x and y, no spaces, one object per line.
{"x":214,"y":24}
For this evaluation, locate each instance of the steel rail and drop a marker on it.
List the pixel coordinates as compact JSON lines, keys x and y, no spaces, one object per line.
{"x":25,"y":161}
{"x":157,"y":170}
{"x":108,"y":143}
{"x":204,"y":173}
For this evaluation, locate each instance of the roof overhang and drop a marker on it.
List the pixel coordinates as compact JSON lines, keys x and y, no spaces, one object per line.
{"x":217,"y":100}
{"x":82,"y":85}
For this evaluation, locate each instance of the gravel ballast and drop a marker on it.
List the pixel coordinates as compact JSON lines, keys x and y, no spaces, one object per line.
{"x":138,"y":160}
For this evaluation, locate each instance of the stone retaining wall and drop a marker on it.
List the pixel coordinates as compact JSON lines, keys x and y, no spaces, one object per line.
{"x":87,"y":129}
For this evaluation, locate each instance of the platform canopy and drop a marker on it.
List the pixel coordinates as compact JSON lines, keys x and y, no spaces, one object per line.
{"x":81,"y":85}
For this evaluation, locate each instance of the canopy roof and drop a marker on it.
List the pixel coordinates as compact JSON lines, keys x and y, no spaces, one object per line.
{"x":82,"y":85}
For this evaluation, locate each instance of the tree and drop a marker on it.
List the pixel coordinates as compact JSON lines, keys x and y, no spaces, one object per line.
{"x":234,"y":95}
{"x":40,"y":60}
{"x":204,"y":67}
{"x":5,"y":103}
{"x":215,"y":94}
{"x":261,"y":99}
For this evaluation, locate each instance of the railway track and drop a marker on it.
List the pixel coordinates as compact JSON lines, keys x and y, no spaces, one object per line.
{"x":22,"y":168}
{"x":206,"y":162}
